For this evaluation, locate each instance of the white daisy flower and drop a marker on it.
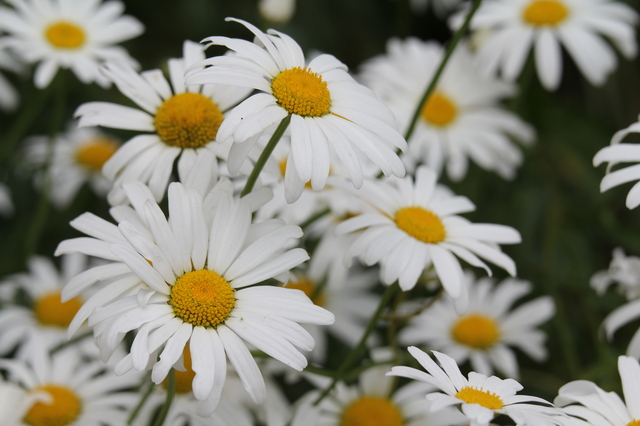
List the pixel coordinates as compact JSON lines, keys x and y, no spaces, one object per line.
{"x":74,"y":34}
{"x":624,"y":271}
{"x":414,"y":225}
{"x":48,"y":318}
{"x":480,"y":398}
{"x":590,"y":405}
{"x":329,"y":111}
{"x":76,"y":392}
{"x":373,"y":401}
{"x":277,"y":11}
{"x":485,"y":330}
{"x":462,"y":120}
{"x":617,"y":153}
{"x":180,"y":121}
{"x":545,"y":25}
{"x":190,"y":280}
{"x":78,"y":157}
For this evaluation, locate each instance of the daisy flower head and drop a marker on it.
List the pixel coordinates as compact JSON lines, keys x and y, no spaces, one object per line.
{"x":329,"y":111}
{"x":480,"y":398}
{"x":71,"y":390}
{"x":177,"y":121}
{"x":461,"y":121}
{"x":617,"y":153}
{"x":48,"y":316}
{"x":189,"y":281}
{"x":78,"y":157}
{"x":485,"y":330}
{"x":414,"y":224}
{"x":588,"y":404}
{"x":74,"y":34}
{"x":580,"y":26}
{"x":624,"y":271}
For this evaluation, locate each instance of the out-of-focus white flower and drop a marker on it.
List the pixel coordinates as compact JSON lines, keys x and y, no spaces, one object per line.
{"x":74,"y":34}
{"x":485,"y":330}
{"x":624,"y":271}
{"x":580,"y":26}
{"x":277,"y":11}
{"x":462,"y":120}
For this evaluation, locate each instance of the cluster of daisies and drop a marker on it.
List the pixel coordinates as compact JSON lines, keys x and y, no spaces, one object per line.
{"x":272,"y":206}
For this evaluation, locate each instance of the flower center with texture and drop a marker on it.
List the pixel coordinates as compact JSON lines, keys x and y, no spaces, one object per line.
{"x":50,"y":310}
{"x":184,"y":379}
{"x":439,"y":110}
{"x":65,"y":35}
{"x":634,"y":422}
{"x":372,"y":411}
{"x":302,"y":92}
{"x":477,"y":331}
{"x":319,"y":298}
{"x":63,"y":410}
{"x":545,"y":13}
{"x":202,"y":298}
{"x":421,"y":224}
{"x":95,"y":153}
{"x":476,"y":396}
{"x":188,"y":120}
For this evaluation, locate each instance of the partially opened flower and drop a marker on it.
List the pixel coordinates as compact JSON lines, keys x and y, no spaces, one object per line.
{"x":74,"y":34}
{"x":176,"y":121}
{"x":330,"y":113}
{"x":486,"y":330}
{"x":189,"y":280}
{"x":617,"y":153}
{"x":580,"y":26}
{"x":591,"y":405}
{"x":462,"y":120}
{"x":480,"y":398}
{"x":415,"y":224}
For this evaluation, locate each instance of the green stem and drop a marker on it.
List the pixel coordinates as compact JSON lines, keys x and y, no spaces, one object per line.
{"x":143,"y":399}
{"x":355,"y":353}
{"x":71,"y":342}
{"x":171,"y":390}
{"x":434,"y":81}
{"x":275,"y":138}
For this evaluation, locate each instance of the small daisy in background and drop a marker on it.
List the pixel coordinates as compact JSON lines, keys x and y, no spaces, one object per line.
{"x":72,"y":390}
{"x":190,"y":281}
{"x":580,"y":26}
{"x":414,"y":225}
{"x":462,"y":120}
{"x":180,"y":121}
{"x":78,"y":157}
{"x":48,"y":317}
{"x":485,"y":331}
{"x":74,"y":34}
{"x":277,"y":11}
{"x":617,"y":153}
{"x":330,"y":113}
{"x":480,"y":398}
{"x":588,"y":404}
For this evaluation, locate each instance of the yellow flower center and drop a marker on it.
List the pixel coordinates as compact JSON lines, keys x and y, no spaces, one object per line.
{"x":50,"y":310}
{"x":188,"y":120}
{"x":95,"y":153}
{"x":475,"y":396}
{"x":439,"y":110}
{"x":63,"y":410}
{"x":202,"y":298}
{"x":477,"y":331}
{"x":421,"y":224}
{"x":65,"y":35}
{"x":302,"y":92}
{"x":184,"y":379}
{"x":545,"y":13}
{"x":634,"y":422}
{"x":372,"y":411}
{"x":309,"y":288}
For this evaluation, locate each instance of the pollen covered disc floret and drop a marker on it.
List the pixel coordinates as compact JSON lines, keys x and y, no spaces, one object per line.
{"x":476,"y":330}
{"x":188,"y":120}
{"x":65,"y":35}
{"x":64,"y":408}
{"x":485,"y":398}
{"x":202,"y":298}
{"x":421,"y":224}
{"x":439,"y":110}
{"x":96,"y":152}
{"x":50,"y":310}
{"x":372,"y":411}
{"x":545,"y":12}
{"x":301,"y":91}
